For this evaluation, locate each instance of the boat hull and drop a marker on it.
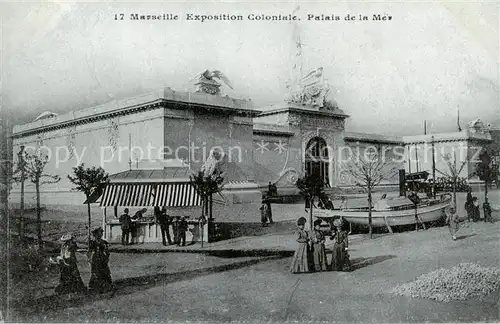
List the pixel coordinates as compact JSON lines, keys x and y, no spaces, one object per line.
{"x":384,"y":218}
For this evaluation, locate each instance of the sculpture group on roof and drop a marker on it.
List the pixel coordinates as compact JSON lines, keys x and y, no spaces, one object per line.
{"x":206,"y":82}
{"x":310,"y":90}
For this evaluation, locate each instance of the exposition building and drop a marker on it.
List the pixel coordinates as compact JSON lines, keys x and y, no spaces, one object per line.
{"x":167,"y":135}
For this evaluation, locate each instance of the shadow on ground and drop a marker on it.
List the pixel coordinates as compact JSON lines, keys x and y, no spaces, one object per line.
{"x":249,"y":253}
{"x":461,"y":237}
{"x":124,"y":287}
{"x":359,"y":263}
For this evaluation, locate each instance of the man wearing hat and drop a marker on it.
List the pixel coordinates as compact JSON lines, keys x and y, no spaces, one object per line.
{"x":98,"y":256}
{"x":70,"y":280}
{"x":125,"y":225}
{"x":164,"y":221}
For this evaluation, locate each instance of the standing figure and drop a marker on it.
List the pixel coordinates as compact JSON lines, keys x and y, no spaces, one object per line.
{"x":301,"y":257}
{"x":135,"y":226}
{"x":476,"y":213}
{"x":487,"y":212}
{"x":164,"y":221}
{"x":269,"y":212}
{"x":263,"y":214}
{"x":469,"y":206}
{"x":98,"y":256}
{"x":318,"y":245}
{"x":340,"y":256}
{"x":183,"y":227}
{"x":176,"y":227}
{"x":70,"y":280}
{"x":272,"y":190}
{"x":125,"y":223}
{"x":453,"y":222}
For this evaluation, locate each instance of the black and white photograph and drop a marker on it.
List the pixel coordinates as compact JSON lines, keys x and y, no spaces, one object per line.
{"x":250,"y":161}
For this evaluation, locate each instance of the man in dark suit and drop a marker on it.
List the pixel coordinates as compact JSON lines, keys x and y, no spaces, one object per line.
{"x":125,"y":224}
{"x":183,"y":227}
{"x":164,"y":221}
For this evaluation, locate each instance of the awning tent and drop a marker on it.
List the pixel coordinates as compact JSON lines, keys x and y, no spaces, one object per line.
{"x":139,"y":194}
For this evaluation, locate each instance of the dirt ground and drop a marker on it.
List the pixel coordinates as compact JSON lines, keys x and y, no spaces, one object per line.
{"x":160,"y":287}
{"x":264,"y":290}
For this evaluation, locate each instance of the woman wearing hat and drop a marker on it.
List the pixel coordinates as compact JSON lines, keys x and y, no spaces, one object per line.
{"x":340,"y":257}
{"x":70,"y":280}
{"x":300,"y":258}
{"x":453,"y":222}
{"x":98,"y":256}
{"x":318,"y":245}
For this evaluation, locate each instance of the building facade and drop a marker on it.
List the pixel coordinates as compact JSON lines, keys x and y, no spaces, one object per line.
{"x":164,"y":129}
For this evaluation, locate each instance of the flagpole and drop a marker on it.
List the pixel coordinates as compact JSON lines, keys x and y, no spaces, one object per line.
{"x":129,"y":151}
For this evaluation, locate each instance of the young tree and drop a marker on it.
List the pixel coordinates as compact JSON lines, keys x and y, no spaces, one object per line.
{"x":33,"y":166}
{"x":206,"y":186}
{"x":367,"y":171}
{"x":310,"y":187}
{"x":485,"y":172}
{"x":453,"y":174}
{"x":88,"y":181}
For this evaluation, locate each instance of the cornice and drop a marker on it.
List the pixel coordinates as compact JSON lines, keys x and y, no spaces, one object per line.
{"x":90,"y":119}
{"x":132,"y":110}
{"x":469,"y":140}
{"x":272,"y":132}
{"x":372,"y":141}
{"x":303,"y":112}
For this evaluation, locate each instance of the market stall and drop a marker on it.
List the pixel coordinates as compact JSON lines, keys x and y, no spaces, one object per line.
{"x":139,"y":189}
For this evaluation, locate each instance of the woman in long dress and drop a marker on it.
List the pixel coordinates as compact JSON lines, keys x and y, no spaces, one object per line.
{"x":469,"y":206}
{"x":300,"y":258}
{"x":70,"y":280}
{"x":318,"y":245}
{"x":98,"y":256}
{"x":476,"y":213}
{"x":453,"y":222}
{"x":340,"y":256}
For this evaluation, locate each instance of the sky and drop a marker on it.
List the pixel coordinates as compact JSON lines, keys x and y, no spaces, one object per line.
{"x":426,"y":63}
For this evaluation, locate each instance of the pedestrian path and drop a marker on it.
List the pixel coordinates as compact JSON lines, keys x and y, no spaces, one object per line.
{"x":272,"y":243}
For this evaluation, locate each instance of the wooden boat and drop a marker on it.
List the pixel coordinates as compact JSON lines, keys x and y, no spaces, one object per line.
{"x":390,"y":212}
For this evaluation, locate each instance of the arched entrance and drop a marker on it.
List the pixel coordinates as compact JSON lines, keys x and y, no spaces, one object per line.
{"x":316,"y":159}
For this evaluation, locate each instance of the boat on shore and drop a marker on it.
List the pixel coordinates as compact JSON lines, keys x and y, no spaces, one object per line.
{"x":396,"y":211}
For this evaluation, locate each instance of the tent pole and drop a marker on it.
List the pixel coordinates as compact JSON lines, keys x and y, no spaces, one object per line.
{"x":104,"y":222}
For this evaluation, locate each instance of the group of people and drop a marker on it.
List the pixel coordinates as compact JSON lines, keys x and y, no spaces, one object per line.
{"x":311,"y":252}
{"x":130,"y":230}
{"x":473,"y":210}
{"x":98,"y":257}
{"x":473,"y":213}
{"x":179,"y":226}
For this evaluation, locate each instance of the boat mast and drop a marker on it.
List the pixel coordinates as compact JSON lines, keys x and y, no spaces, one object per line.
{"x":433,"y":169}
{"x":409,"y":159}
{"x":416,"y":155}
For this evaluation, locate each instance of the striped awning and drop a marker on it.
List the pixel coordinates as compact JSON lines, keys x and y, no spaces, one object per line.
{"x":171,"y":194}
